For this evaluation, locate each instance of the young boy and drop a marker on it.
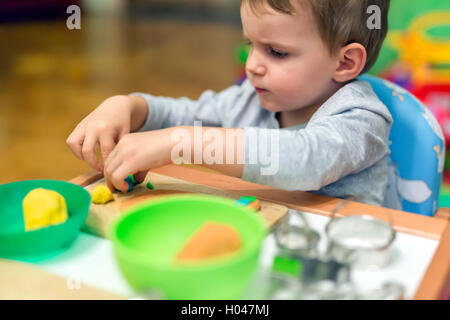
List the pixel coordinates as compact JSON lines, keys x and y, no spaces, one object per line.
{"x":302,"y":101}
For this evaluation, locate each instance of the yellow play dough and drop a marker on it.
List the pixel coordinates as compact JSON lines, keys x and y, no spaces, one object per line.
{"x":101,"y":194}
{"x":43,"y":208}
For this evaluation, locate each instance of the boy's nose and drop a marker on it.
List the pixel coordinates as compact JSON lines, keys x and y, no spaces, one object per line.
{"x":254,"y":65}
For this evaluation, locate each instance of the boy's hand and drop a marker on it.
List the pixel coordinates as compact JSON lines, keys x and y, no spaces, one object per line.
{"x":137,"y":153}
{"x":105,"y":127}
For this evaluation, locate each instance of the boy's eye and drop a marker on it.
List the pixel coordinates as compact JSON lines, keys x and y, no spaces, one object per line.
{"x":272,"y":52}
{"x":277,"y":54}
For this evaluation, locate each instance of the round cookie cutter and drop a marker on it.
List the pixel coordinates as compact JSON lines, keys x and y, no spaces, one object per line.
{"x":359,"y":240}
{"x":297,"y":241}
{"x":301,"y":242}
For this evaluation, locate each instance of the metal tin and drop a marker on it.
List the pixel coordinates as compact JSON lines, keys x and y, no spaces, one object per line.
{"x":360,"y":240}
{"x":297,"y":241}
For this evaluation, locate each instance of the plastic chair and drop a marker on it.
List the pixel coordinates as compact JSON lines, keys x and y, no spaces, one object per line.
{"x":417,"y":149}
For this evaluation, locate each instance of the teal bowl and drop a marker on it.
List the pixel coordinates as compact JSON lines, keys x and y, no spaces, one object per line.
{"x":16,"y":243}
{"x":148,"y":236}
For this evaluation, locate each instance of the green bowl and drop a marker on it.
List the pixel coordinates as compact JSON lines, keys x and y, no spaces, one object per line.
{"x":16,"y":243}
{"x":148,"y":236}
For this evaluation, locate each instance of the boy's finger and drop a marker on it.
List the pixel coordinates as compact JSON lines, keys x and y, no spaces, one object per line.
{"x":109,"y":184}
{"x":75,"y":144}
{"x":112,"y":163}
{"x":123,"y":133}
{"x":118,"y":178}
{"x":88,"y":151}
{"x":107,"y":145}
{"x":108,"y":173}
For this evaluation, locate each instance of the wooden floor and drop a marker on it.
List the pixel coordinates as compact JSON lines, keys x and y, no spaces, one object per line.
{"x":52,"y":77}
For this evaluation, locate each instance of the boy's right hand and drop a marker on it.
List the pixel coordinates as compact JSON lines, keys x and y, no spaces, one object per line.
{"x":105,"y":126}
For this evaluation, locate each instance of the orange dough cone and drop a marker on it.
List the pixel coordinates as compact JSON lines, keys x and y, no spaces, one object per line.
{"x":212,"y":240}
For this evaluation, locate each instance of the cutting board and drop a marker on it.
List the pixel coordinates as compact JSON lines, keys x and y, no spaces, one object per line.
{"x":21,"y":281}
{"x":101,"y":215}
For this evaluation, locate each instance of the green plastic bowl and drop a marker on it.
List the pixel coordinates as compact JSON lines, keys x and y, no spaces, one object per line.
{"x":148,"y":236}
{"x":15,"y":242}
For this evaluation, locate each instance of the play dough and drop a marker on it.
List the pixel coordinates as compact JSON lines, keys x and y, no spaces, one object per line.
{"x":212,"y":240}
{"x":43,"y":208}
{"x":101,"y":195}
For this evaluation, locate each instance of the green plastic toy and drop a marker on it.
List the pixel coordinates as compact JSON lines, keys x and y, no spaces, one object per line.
{"x":288,"y":266}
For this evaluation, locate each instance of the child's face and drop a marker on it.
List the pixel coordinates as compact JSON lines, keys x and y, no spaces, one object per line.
{"x":288,"y":59}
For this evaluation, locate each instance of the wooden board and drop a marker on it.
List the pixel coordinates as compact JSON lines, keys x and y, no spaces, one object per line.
{"x":20,"y":281}
{"x":101,"y":215}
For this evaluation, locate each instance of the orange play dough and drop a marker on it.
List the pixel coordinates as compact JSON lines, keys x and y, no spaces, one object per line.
{"x":211,"y":241}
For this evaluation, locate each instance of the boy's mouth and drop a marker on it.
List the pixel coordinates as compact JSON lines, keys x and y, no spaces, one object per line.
{"x":259,"y":90}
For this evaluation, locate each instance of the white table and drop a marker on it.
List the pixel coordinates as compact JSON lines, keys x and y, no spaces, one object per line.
{"x":90,"y":260}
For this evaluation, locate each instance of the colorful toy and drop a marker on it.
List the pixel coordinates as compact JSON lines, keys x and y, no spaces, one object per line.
{"x":287,"y":266}
{"x":132,"y":182}
{"x":427,"y":56}
{"x":255,"y":205}
{"x":243,"y":202}
{"x":424,"y":64}
{"x":249,"y":202}
{"x":241,"y":55}
{"x":401,"y":14}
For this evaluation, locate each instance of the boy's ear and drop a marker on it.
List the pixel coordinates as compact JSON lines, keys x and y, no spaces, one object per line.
{"x":351,"y":61}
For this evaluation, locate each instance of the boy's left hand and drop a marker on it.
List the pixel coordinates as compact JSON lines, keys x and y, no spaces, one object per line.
{"x":137,"y":153}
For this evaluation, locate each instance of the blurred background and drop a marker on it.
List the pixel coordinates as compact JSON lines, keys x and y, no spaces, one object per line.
{"x":52,"y":77}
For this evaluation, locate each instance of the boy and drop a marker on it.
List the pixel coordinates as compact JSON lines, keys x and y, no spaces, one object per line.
{"x":330,"y":130}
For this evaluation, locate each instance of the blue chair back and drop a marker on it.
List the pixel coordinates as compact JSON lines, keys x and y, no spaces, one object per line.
{"x":417,"y":150}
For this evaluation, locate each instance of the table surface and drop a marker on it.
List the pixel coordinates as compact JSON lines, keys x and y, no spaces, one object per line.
{"x":420,"y":259}
{"x":91,"y":261}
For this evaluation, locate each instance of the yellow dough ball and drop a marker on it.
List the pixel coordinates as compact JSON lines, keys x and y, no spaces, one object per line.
{"x":101,"y":195}
{"x":43,"y":208}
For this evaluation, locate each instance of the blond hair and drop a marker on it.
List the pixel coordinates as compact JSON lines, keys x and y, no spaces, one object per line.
{"x":340,"y":22}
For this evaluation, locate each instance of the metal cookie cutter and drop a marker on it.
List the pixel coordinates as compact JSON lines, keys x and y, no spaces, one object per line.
{"x":359,"y":240}
{"x":297,"y":241}
{"x":301,"y":242}
{"x":295,"y":244}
